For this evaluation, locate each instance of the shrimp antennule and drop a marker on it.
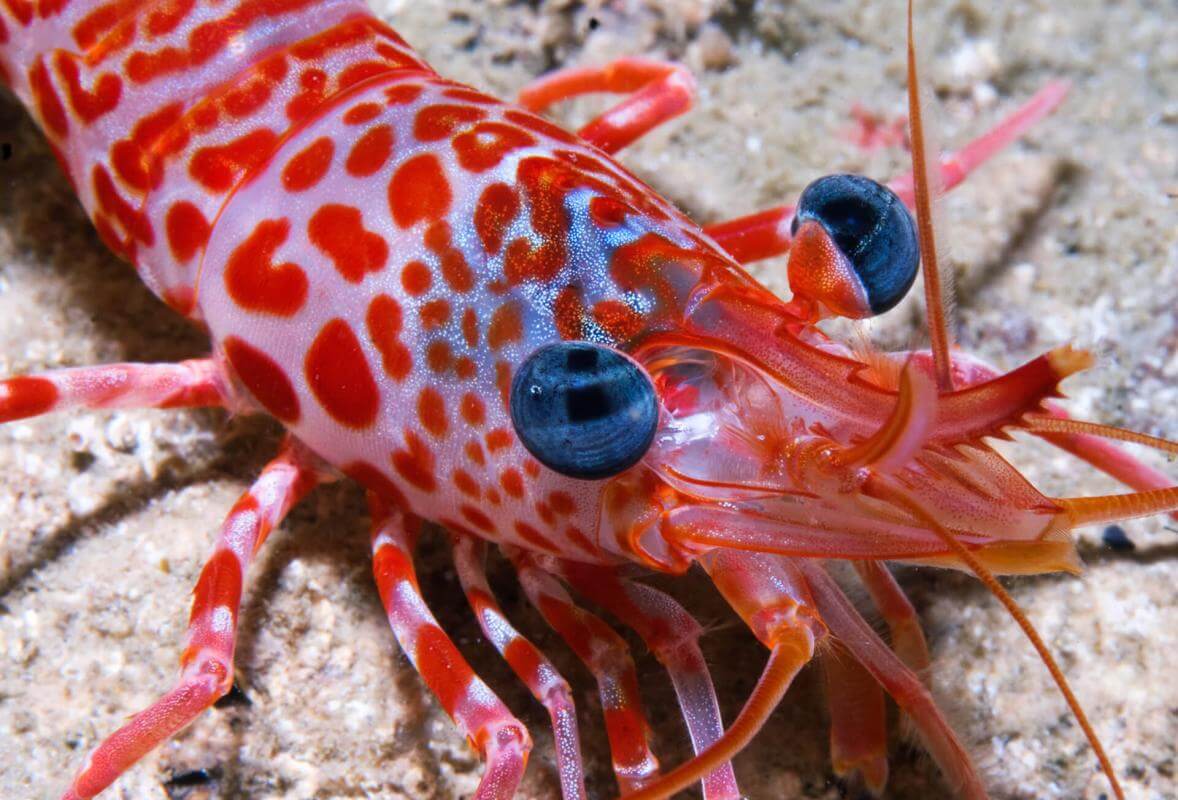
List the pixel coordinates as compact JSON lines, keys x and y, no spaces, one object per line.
{"x":937,"y":287}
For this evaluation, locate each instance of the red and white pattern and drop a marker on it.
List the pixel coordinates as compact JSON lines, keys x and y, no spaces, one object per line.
{"x":375,"y":249}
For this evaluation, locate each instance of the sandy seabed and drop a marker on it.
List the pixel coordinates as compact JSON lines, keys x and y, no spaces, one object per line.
{"x":1070,"y":236}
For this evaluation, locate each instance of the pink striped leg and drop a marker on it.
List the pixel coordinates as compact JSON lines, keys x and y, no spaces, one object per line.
{"x":770,"y":596}
{"x":659,"y":91}
{"x":766,"y":233}
{"x":529,"y":664}
{"x":853,"y":632}
{"x":607,"y":656}
{"x":904,"y":626}
{"x":189,"y":383}
{"x":501,"y":739}
{"x":207,"y":663}
{"x":858,"y":723}
{"x":672,"y":635}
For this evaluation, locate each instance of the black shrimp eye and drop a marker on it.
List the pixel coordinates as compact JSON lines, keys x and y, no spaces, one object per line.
{"x":584,"y":410}
{"x":874,"y":235}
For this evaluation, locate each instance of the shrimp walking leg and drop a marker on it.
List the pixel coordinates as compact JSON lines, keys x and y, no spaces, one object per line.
{"x":672,"y":635}
{"x":896,"y":609}
{"x":207,"y":662}
{"x":858,"y":722}
{"x":775,"y":604}
{"x":531,"y":666}
{"x":766,"y":234}
{"x":607,"y":656}
{"x":659,"y":91}
{"x":500,"y":738}
{"x":853,"y":632}
{"x":184,"y":385}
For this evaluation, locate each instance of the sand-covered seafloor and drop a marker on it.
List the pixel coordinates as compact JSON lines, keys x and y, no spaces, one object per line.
{"x":1069,"y":236}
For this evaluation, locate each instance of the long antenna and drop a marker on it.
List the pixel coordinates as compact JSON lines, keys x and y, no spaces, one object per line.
{"x":884,"y":490}
{"x":934,"y":287}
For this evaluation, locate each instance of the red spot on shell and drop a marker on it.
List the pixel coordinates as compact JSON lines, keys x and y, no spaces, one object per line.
{"x":370,"y":152}
{"x":474,"y":452}
{"x":339,"y":232}
{"x":465,"y":368}
{"x":562,"y":503}
{"x":403,"y":94}
{"x":474,"y":410}
{"x":264,"y":379}
{"x":168,"y":16}
{"x":188,"y":230}
{"x":416,"y":278}
{"x":617,"y":319}
{"x":359,"y":72}
{"x":439,"y":121}
{"x":526,"y":262}
{"x":339,"y":376}
{"x":506,"y":326}
{"x":455,"y":270}
{"x":434,"y":314}
{"x":26,"y":396}
{"x":488,"y":143}
{"x":512,"y":482}
{"x":257,"y":284}
{"x":309,"y":165}
{"x":466,"y":484}
{"x":431,"y":410}
{"x":569,"y":313}
{"x":134,"y":222}
{"x":88,"y":104}
{"x":49,"y":106}
{"x":419,"y":191}
{"x":415,"y":463}
{"x":439,"y":356}
{"x":219,"y":168}
{"x":470,"y":327}
{"x":607,"y":212}
{"x":498,"y":206}
{"x":384,"y":327}
{"x":477,"y":518}
{"x":361,"y":113}
{"x":575,"y":535}
{"x":468,"y":95}
{"x":503,"y":381}
{"x":534,"y":537}
{"x":498,"y":439}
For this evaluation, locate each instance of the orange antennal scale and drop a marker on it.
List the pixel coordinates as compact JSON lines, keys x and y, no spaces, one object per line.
{"x":884,"y":490}
{"x":936,"y":287}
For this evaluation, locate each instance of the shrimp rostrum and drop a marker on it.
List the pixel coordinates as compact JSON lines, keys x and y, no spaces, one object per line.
{"x":490,"y":324}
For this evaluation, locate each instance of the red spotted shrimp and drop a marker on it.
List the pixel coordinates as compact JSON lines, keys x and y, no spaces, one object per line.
{"x":490,"y":324}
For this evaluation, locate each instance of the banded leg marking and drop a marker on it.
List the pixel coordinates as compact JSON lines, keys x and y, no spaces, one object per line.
{"x":207,"y":662}
{"x":607,"y":656}
{"x":187,"y":384}
{"x":672,"y":635}
{"x":492,"y":730}
{"x":529,"y":664}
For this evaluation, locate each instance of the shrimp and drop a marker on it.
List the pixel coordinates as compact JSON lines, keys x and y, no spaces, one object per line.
{"x":732,"y":456}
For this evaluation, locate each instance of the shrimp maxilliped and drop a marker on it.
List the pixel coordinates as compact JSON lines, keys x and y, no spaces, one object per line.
{"x":489,"y":323}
